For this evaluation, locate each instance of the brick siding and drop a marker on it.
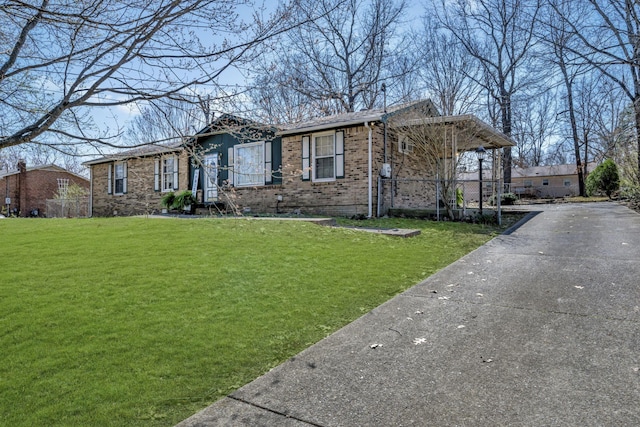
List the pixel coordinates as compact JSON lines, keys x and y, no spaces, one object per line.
{"x":30,"y":189}
{"x":141,"y":197}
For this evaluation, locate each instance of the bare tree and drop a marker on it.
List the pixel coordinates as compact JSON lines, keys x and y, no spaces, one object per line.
{"x":170,"y":120}
{"x":445,"y":70}
{"x":610,"y":44}
{"x":499,"y":34}
{"x":533,"y":127}
{"x":335,"y":62}
{"x":560,"y":39}
{"x":63,"y":57}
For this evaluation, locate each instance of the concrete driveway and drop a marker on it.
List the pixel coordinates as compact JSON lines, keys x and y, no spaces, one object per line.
{"x":537,"y":328}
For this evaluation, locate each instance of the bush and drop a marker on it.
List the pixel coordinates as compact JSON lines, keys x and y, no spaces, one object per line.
{"x":183,"y":199}
{"x":168,"y":199}
{"x":604,"y":178}
{"x":506,"y":199}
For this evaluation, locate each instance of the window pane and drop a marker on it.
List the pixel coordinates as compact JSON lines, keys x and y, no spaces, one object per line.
{"x":324,"y":168}
{"x":324,"y":146}
{"x":167,"y":174}
{"x":168,"y":165}
{"x":249,"y":164}
{"x":119,"y":178}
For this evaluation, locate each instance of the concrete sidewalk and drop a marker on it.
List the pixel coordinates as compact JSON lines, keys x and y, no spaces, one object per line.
{"x":537,"y":328}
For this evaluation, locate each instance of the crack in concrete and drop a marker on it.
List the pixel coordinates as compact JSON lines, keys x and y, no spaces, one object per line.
{"x":264,"y":408}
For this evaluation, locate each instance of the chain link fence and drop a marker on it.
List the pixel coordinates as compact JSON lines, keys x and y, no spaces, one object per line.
{"x":68,"y":208}
{"x":440,"y":198}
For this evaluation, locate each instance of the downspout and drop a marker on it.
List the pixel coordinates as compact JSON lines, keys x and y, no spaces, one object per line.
{"x":90,"y":207}
{"x":369,"y":170}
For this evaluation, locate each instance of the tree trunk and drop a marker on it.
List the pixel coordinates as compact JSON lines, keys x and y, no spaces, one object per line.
{"x":507,"y":160}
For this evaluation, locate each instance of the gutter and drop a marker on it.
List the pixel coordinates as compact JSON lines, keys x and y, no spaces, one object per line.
{"x":369,"y":173}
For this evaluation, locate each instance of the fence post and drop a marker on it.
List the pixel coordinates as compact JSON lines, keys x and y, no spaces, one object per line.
{"x":499,"y":203}
{"x":438,"y":198}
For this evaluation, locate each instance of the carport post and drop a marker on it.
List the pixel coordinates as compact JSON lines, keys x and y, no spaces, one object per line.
{"x":480,"y":152}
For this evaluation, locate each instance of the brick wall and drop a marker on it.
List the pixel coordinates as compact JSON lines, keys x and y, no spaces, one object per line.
{"x":141,"y":196}
{"x":346,"y":196}
{"x":9,"y":187}
{"x":30,"y":189}
{"x":343,"y":197}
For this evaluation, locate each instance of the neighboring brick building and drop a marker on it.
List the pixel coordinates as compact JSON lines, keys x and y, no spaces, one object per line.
{"x":27,"y":189}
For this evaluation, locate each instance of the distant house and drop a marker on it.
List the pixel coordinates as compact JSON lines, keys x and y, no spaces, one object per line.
{"x":27,"y":189}
{"x":535,"y":182}
{"x":547,"y":181}
{"x":347,"y":164}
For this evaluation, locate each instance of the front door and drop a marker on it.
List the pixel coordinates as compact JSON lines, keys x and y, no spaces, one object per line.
{"x":211,"y":178}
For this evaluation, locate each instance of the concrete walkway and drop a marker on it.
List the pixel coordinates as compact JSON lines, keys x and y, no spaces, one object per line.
{"x":537,"y":328}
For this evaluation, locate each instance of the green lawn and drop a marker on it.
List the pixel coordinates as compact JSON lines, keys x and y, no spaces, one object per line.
{"x":134,"y":321}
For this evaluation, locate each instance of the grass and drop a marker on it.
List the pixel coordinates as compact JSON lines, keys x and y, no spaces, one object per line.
{"x":134,"y":321}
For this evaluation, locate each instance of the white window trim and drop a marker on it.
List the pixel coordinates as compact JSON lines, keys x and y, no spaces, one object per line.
{"x":211,"y":170}
{"x":174,"y":172}
{"x":405,"y":145}
{"x":236,"y":169}
{"x":124,"y":178}
{"x":313,"y":156}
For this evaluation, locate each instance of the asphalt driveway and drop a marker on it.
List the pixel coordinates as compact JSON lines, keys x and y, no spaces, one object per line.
{"x":537,"y":328}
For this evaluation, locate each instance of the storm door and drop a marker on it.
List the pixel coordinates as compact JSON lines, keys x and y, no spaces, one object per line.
{"x":211,"y":177}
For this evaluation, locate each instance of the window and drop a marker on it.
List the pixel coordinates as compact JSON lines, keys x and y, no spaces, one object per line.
{"x":567,"y":183}
{"x":323,"y":157}
{"x":405,"y":145}
{"x":117,"y":178}
{"x":248,"y":165}
{"x":528,"y":183}
{"x":166,"y":174}
{"x":168,"y":167}
{"x":545,"y":182}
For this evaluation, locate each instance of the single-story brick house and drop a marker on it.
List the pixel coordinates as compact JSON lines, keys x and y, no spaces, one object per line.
{"x":344,"y":165}
{"x":133,"y":182}
{"x":332,"y":165}
{"x":231,"y":153}
{"x":537,"y":181}
{"x":547,"y":181}
{"x":27,"y":189}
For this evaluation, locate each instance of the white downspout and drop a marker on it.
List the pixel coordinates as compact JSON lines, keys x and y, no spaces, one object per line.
{"x":90,"y":204}
{"x":370,"y":190}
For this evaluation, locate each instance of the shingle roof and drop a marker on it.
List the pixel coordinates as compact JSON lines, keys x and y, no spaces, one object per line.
{"x":554,"y":170}
{"x":142,"y":151}
{"x":348,"y":119}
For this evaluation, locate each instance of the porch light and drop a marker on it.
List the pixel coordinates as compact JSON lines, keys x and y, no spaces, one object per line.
{"x":480,"y":153}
